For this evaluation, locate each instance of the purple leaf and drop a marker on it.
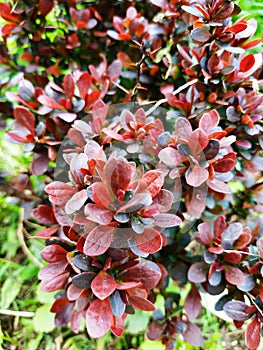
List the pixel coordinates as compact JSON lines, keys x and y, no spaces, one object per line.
{"x":167,"y":220}
{"x":236,"y":310}
{"x":198,"y":272}
{"x":193,"y":303}
{"x":193,"y":335}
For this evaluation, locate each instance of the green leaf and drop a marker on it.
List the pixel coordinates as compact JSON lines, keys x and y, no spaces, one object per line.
{"x":44,"y":297}
{"x":153,"y":345}
{"x":9,"y":292}
{"x":33,"y":344}
{"x":43,"y":320}
{"x":138,"y":322}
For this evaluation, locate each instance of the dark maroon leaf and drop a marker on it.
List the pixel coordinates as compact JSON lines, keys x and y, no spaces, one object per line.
{"x":252,"y":334}
{"x":45,"y":215}
{"x":64,"y":316}
{"x":53,"y":253}
{"x":147,"y":272}
{"x":45,"y":6}
{"x":236,"y":310}
{"x":192,"y":304}
{"x":193,"y":335}
{"x":198,"y":272}
{"x":56,"y":283}
{"x":99,"y":318}
{"x":83,"y":280}
{"x":103,"y":285}
{"x":69,"y":86}
{"x":51,"y":270}
{"x":25,"y":118}
{"x":224,"y":12}
{"x":155,"y":330}
{"x":39,"y":164}
{"x":141,"y":303}
{"x":211,"y":149}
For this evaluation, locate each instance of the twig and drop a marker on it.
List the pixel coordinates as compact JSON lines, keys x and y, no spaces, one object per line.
{"x":17,"y":313}
{"x":20,"y":237}
{"x":181,"y":88}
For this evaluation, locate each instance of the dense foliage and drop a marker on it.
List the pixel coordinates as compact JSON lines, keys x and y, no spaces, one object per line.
{"x":135,"y":194}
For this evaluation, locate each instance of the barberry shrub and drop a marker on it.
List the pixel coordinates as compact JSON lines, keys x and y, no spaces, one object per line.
{"x":152,"y":113}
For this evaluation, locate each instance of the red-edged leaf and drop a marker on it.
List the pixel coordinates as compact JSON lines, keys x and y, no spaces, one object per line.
{"x":193,"y":335}
{"x":102,"y":216}
{"x":243,"y":240}
{"x":146,"y":272}
{"x":232,"y":232}
{"x":60,"y":189}
{"x":45,"y":6}
{"x":198,"y":141}
{"x":197,"y":176}
{"x":219,"y":225}
{"x":150,"y":241}
{"x":101,"y":195}
{"x":76,"y":201}
{"x":204,"y":234}
{"x":49,"y":102}
{"x":224,"y":164}
{"x":69,"y":85}
{"x":56,"y":283}
{"x":99,"y":240}
{"x":219,"y":186}
{"x":45,"y":215}
{"x":117,"y":326}
{"x":58,"y":305}
{"x":234,"y":275}
{"x":151,"y":181}
{"x":192,"y":10}
{"x":99,"y":113}
{"x":127,"y":285}
{"x":252,"y":334}
{"x":53,"y":253}
{"x":141,"y":303}
{"x":224,"y":12}
{"x":103,"y":285}
{"x":167,"y":220}
{"x":200,"y":34}
{"x":209,"y":121}
{"x":171,"y":156}
{"x":216,"y":250}
{"x":47,"y":232}
{"x":99,"y":318}
{"x":236,"y":310}
{"x":198,"y":272}
{"x":25,"y":118}
{"x":192,"y":304}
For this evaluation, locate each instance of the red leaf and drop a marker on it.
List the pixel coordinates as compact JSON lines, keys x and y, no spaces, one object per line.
{"x":53,"y":253}
{"x":99,"y":113}
{"x":117,"y":326}
{"x":25,"y":118}
{"x":138,"y":202}
{"x":45,"y":6}
{"x":45,"y":215}
{"x":39,"y":164}
{"x":101,"y":195}
{"x":247,"y":63}
{"x":167,"y":220}
{"x":141,"y":303}
{"x":224,"y":12}
{"x":197,"y":176}
{"x":163,"y":201}
{"x":224,"y":164}
{"x":233,"y":257}
{"x":198,"y":272}
{"x":49,"y":102}
{"x":69,"y":86}
{"x":99,"y":318}
{"x":103,"y":285}
{"x":99,"y":240}
{"x":47,"y":232}
{"x":252,"y":335}
{"x":198,"y":141}
{"x":150,"y":241}
{"x":209,"y":121}
{"x":100,"y":215}
{"x":84,"y":84}
{"x":151,"y":181}
{"x":171,"y":156}
{"x":51,"y":270}
{"x":204,"y":234}
{"x":193,"y":335}
{"x":58,"y":305}
{"x":234,"y":275}
{"x":219,"y":225}
{"x":146,"y":272}
{"x":60,"y":189}
{"x":127,"y":285}
{"x":56,"y":283}
{"x":193,"y":303}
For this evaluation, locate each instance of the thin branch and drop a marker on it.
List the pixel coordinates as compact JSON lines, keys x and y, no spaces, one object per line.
{"x":160,"y":102}
{"x":21,"y":239}
{"x":17,"y":313}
